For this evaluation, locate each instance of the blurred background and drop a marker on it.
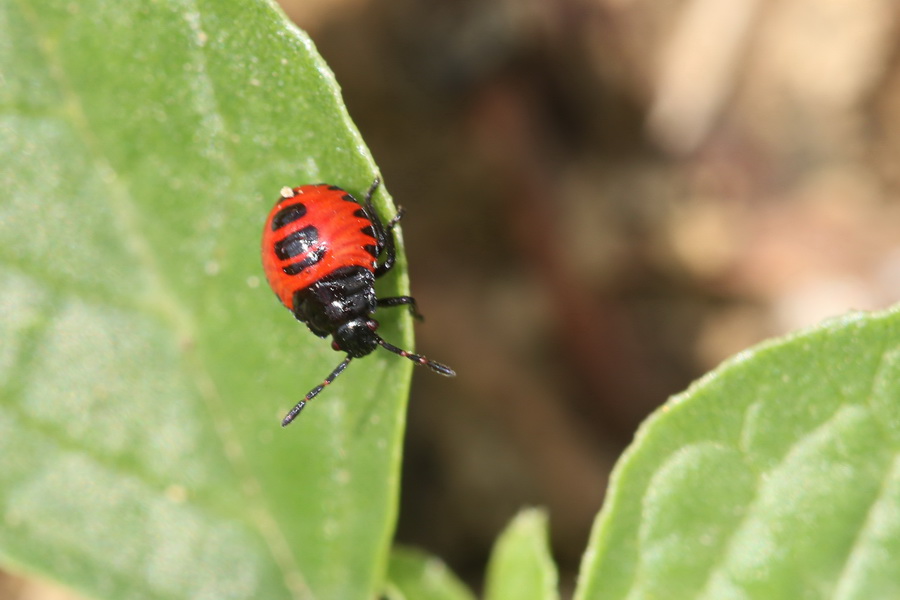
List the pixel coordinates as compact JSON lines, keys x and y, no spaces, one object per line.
{"x":606,"y":198}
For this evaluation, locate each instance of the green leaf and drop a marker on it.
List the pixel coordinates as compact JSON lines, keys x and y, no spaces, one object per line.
{"x":776,"y":476}
{"x":521,"y":567}
{"x":144,"y":363}
{"x":414,"y":575}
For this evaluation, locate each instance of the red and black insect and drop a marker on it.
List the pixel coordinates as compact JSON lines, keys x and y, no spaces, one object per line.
{"x":320,"y":252}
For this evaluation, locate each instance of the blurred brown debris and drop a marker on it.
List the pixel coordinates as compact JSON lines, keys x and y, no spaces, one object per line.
{"x":14,"y":587}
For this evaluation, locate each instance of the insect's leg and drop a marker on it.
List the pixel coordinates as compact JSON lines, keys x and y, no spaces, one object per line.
{"x":384,"y":234}
{"x":390,"y":252}
{"x":400,"y":301}
{"x":400,"y":212}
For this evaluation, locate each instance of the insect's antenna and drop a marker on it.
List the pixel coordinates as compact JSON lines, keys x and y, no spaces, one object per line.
{"x":418,"y":359}
{"x":315,"y":392}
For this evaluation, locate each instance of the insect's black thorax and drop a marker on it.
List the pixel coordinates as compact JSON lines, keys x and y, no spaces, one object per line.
{"x":340,"y":305}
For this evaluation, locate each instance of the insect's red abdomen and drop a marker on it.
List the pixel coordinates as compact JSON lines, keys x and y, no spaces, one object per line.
{"x":310,"y":235}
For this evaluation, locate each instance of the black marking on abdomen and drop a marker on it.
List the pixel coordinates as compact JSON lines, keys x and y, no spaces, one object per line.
{"x":288,"y":215}
{"x":310,"y":260}
{"x":296,"y":243}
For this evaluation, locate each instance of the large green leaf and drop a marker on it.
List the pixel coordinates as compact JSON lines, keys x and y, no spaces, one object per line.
{"x":775,"y":477}
{"x":144,"y":364}
{"x":521,"y":567}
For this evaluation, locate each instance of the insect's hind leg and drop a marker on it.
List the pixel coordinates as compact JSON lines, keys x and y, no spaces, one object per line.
{"x":400,"y":301}
{"x":384,"y":233}
{"x":390,"y":226}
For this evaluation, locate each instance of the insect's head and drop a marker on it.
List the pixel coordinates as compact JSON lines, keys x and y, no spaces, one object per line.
{"x":356,"y":337}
